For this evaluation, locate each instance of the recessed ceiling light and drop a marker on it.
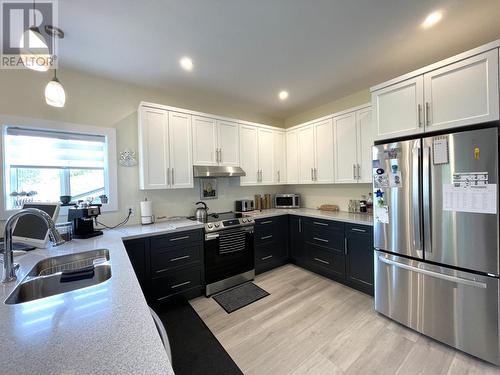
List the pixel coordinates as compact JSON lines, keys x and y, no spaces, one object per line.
{"x":432,"y":19}
{"x":283,"y":95}
{"x":186,"y":63}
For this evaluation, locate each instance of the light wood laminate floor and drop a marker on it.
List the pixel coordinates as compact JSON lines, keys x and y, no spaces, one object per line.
{"x":312,"y":325}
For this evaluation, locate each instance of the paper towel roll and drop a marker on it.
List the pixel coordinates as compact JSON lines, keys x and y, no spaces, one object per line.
{"x":147,"y":212}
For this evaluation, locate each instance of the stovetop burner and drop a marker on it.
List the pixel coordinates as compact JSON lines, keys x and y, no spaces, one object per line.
{"x":220,"y":216}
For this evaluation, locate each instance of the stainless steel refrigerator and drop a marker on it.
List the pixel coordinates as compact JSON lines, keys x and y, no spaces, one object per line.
{"x":436,"y":237}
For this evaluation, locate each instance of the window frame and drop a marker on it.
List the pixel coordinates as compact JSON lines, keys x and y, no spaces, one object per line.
{"x":110,"y":167}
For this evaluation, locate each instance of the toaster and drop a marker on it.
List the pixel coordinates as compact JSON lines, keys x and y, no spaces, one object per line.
{"x":244,"y":205}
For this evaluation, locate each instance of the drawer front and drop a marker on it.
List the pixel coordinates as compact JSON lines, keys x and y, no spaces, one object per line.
{"x":269,"y":256}
{"x":334,"y":226}
{"x":271,"y":221}
{"x":325,"y":261}
{"x":332,"y":239}
{"x":175,"y":239}
{"x":165,"y":259}
{"x":175,"y":282}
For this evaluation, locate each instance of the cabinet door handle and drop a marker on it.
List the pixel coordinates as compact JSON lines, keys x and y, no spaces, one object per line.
{"x":180,"y":258}
{"x":220,"y":154}
{"x":315,"y":174}
{"x":321,"y":261}
{"x":358,"y":230}
{"x":359,"y":172}
{"x":300,"y":225}
{"x":312,"y":174}
{"x":279,"y":176}
{"x":173,"y":183}
{"x":419,"y":115}
{"x":345,"y":245}
{"x":427,"y":113}
{"x":266,"y":237}
{"x":181,"y":284}
{"x":318,"y":223}
{"x":320,"y":239}
{"x":179,"y":238}
{"x":266,"y":258}
{"x":168,"y":176}
{"x":354,"y":171}
{"x":267,"y":222}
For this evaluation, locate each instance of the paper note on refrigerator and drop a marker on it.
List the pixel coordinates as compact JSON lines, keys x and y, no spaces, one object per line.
{"x":381,"y":214}
{"x":440,"y":150}
{"x":480,"y":199}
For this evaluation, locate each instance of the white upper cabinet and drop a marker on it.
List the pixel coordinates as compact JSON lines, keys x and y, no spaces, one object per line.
{"x":215,"y":142}
{"x":165,"y":155}
{"x":181,"y":161}
{"x":153,"y":148}
{"x":279,"y":157}
{"x":266,"y":156}
{"x":305,"y":141}
{"x":249,"y":149}
{"x":463,"y":93}
{"x":398,"y":109}
{"x":346,"y":141}
{"x":204,"y":141}
{"x":292,"y":161}
{"x":366,"y":136}
{"x":228,"y":133}
{"x":323,"y":152}
{"x":459,"y":91}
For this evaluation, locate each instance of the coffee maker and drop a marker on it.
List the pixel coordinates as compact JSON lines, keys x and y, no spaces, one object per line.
{"x":82,"y":219}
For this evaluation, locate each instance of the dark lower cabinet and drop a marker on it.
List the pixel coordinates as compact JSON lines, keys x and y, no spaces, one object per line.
{"x":296,"y":238}
{"x":359,"y":265}
{"x":271,"y":243}
{"x":168,"y":265}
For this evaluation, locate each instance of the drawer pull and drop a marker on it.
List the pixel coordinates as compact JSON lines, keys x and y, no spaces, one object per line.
{"x":180,"y":258}
{"x":320,"y":239}
{"x":266,"y":237}
{"x":266,"y":258}
{"x":358,"y":230}
{"x":321,"y":261}
{"x":181,"y":284}
{"x":179,"y":238}
{"x":318,"y":223}
{"x":267,"y":222}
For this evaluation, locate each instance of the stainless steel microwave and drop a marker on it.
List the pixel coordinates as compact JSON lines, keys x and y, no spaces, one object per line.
{"x":287,"y":201}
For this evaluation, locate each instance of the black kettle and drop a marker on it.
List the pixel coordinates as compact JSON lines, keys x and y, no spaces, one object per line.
{"x":201,"y":212}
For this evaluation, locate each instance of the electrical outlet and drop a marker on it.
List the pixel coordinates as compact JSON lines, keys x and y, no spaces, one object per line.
{"x":131,"y":209}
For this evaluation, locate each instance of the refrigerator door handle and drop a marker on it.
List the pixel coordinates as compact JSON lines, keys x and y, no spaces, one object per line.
{"x":417,"y":230}
{"x":442,"y":276}
{"x":426,"y":182}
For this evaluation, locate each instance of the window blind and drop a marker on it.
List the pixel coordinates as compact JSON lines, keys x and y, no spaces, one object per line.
{"x":26,"y":147}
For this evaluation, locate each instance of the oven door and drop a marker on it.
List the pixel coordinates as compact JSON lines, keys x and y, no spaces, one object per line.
{"x":228,"y":253}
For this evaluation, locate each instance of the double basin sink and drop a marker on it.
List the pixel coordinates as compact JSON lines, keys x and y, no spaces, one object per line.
{"x":62,"y":274}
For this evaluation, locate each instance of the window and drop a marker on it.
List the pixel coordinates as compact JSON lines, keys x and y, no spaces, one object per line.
{"x":41,"y":165}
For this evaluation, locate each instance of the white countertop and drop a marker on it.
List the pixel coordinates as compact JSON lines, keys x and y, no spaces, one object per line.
{"x":103,"y":329}
{"x":347,"y":217}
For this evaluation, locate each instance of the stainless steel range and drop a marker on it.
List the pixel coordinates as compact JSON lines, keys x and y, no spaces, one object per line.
{"x":229,"y":251}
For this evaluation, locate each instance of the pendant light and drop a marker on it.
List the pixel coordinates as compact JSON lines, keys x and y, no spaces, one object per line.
{"x":54,"y":92}
{"x":34,"y":50}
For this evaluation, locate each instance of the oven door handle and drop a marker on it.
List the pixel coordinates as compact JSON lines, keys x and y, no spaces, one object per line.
{"x":211,"y":236}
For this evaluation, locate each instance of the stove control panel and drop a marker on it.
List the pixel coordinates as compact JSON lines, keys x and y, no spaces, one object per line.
{"x":226,"y":224}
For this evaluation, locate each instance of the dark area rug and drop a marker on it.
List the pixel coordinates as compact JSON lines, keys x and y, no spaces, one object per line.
{"x":239,"y":296}
{"x":195,"y":350}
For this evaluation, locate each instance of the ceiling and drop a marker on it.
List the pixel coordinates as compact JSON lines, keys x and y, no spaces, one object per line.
{"x":318,"y":50}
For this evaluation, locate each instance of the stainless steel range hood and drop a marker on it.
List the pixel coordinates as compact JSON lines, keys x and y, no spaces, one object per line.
{"x":217,"y":171}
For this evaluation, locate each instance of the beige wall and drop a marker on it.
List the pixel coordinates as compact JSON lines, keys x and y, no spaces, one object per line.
{"x":353,"y":100}
{"x":93,"y":100}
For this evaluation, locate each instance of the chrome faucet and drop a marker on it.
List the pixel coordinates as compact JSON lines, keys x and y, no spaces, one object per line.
{"x":9,"y":268}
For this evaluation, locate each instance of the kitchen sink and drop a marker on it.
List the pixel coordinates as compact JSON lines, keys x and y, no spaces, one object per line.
{"x":44,"y":279}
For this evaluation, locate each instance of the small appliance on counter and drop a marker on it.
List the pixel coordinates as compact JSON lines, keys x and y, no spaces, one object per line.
{"x":287,"y":201}
{"x":244,"y":205}
{"x":82,"y":219}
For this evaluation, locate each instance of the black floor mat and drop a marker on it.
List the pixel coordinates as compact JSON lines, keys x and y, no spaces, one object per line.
{"x":195,"y":350}
{"x":239,"y":296}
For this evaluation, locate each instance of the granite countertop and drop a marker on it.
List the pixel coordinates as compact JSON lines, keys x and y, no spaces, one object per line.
{"x":103,"y":329}
{"x":347,"y":217}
